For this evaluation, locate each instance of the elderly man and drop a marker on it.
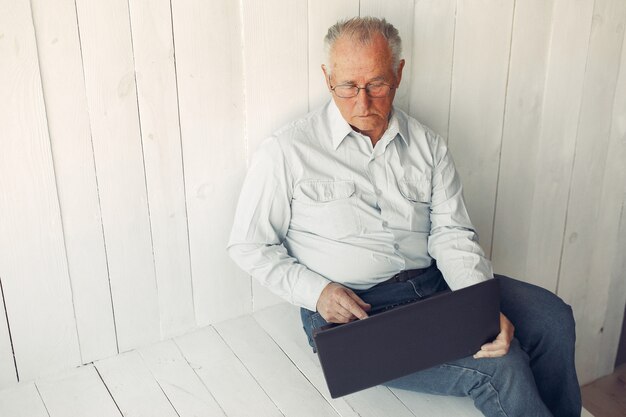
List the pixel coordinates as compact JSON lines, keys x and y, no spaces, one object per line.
{"x":357,"y":207}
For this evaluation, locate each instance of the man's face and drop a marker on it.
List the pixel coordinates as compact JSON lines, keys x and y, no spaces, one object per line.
{"x":355,"y":64}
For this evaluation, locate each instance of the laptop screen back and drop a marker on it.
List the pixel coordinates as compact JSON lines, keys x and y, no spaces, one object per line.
{"x":409,"y":338}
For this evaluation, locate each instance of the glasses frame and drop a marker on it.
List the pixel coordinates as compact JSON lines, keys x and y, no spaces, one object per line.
{"x":358,"y":89}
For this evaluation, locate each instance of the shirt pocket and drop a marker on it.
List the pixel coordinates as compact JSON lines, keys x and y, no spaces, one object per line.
{"x":325,"y":208}
{"x":416,"y":193}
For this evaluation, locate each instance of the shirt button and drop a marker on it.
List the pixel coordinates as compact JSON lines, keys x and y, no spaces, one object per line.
{"x":385,"y":223}
{"x":378,"y":192}
{"x":396,"y":246}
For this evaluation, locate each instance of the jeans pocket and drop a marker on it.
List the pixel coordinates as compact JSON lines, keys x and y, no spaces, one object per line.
{"x":310,"y":322}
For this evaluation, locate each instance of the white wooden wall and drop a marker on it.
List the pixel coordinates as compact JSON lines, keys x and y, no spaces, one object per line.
{"x":126,"y":127}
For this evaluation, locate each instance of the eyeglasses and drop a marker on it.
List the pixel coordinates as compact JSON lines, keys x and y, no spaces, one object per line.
{"x":373,"y":90}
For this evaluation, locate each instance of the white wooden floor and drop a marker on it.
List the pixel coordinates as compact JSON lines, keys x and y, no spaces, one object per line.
{"x":256,"y":366}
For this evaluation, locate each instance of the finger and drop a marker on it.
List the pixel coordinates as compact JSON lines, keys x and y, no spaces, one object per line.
{"x":353,"y":307}
{"x":343,"y":315}
{"x":490,"y":354}
{"x":495,"y":345}
{"x":492,"y":350}
{"x":365,"y":306}
{"x":339,"y":314}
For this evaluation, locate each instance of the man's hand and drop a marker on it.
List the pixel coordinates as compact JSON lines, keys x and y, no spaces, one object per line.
{"x":338,"y":304}
{"x":500,"y":346}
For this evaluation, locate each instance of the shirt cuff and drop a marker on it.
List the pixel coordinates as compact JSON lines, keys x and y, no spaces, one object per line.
{"x":308,"y":288}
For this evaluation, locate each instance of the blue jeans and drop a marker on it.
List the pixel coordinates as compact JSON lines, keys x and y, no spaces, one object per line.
{"x":535,"y":378}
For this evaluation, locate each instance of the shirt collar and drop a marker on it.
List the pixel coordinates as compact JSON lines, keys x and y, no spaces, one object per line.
{"x":339,"y":128}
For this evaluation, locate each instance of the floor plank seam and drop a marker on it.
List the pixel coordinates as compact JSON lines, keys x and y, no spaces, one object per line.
{"x":199,"y":377}
{"x":393,"y":392}
{"x":330,"y":403}
{"x":108,"y":390}
{"x":45,"y":406}
{"x":249,"y":372}
{"x":157,"y":382}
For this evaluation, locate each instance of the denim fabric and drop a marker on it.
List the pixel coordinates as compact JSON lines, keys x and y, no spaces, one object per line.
{"x":536,"y":378}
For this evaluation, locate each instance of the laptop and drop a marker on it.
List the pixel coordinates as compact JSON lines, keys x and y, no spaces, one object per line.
{"x":394,"y":343}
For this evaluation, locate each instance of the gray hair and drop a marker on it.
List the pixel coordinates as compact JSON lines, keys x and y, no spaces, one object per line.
{"x":363,"y":29}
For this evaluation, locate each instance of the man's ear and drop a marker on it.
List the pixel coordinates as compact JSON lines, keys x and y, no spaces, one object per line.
{"x":399,"y":73}
{"x":326,"y":76}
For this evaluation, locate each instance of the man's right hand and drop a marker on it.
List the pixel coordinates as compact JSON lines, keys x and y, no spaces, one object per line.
{"x":338,"y":304}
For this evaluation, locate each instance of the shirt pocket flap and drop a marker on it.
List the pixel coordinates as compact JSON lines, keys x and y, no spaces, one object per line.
{"x":325,"y":191}
{"x":417,"y":191}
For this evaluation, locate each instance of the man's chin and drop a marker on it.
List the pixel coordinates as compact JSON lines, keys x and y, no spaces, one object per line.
{"x":366,"y":123}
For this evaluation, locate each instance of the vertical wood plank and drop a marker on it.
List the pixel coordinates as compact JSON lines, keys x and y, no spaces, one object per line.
{"x":8,"y":375}
{"x":292,"y":393}
{"x":322,"y":14}
{"x":77,"y":393}
{"x":112,"y":100}
{"x":22,"y":400}
{"x":617,"y":289}
{"x":275,"y":65}
{"x":400,"y":14}
{"x":276,"y":74}
{"x":431,"y":67}
{"x":479,"y":81}
{"x":70,"y":136}
{"x":614,"y":173}
{"x":210,"y":93}
{"x":153,"y":47}
{"x":589,"y":246}
{"x":177,"y":379}
{"x":224,"y":375}
{"x":133,"y":387}
{"x":521,"y":136}
{"x":33,"y":264}
{"x":569,"y":42}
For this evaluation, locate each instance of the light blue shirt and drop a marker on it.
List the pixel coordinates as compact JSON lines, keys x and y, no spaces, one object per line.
{"x":321,"y":204}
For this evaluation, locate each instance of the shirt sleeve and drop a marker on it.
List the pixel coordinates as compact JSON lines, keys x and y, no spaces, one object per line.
{"x":261,"y":224}
{"x":453,"y":241}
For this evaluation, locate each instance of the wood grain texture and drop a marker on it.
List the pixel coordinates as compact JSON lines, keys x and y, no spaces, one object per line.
{"x":111,"y":97}
{"x":224,"y":375}
{"x":60,"y":61}
{"x":430,"y":72}
{"x":153,"y":48}
{"x":33,"y":264}
{"x":133,"y":387}
{"x":322,"y":14}
{"x":210,"y":93}
{"x":571,"y":26}
{"x":77,"y":393}
{"x":276,"y":74}
{"x":523,"y":120}
{"x":480,"y":72}
{"x":589,"y":247}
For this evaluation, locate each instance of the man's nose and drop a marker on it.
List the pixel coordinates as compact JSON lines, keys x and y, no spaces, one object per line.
{"x":362,"y":99}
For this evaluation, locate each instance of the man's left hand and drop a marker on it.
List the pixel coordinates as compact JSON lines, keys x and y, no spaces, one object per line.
{"x":500,"y":346}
